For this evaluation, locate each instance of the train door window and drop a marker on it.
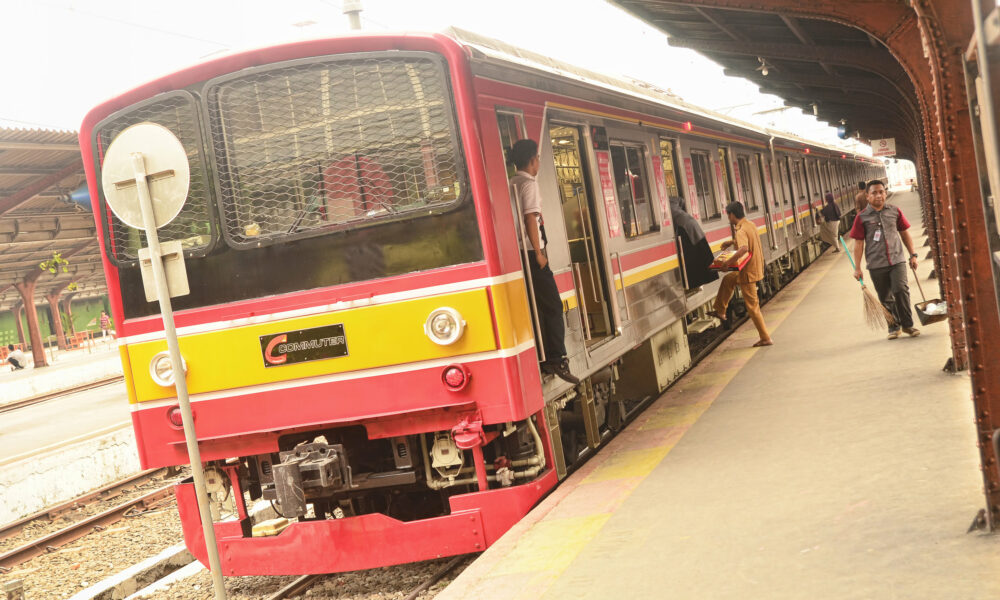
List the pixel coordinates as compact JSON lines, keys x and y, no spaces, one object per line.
{"x":511,"y":126}
{"x":668,"y":154}
{"x":579,"y":213}
{"x":762,"y":182}
{"x":794,"y":190}
{"x":727,"y":180}
{"x":776,"y":191}
{"x":628,"y":162}
{"x":705,"y":186}
{"x":744,"y":176}
{"x":805,"y":189}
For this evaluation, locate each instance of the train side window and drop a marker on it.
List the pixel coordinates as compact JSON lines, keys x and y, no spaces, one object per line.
{"x":668,"y":152}
{"x":705,"y":186}
{"x":511,"y":126}
{"x":746,"y":183}
{"x":629,"y":166}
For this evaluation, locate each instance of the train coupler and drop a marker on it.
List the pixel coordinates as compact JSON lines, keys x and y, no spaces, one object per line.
{"x":315,"y":468}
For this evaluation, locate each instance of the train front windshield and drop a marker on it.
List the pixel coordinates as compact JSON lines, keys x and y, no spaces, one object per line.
{"x":308,"y":174}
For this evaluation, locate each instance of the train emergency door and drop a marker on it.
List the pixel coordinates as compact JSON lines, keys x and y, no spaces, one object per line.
{"x":585,"y":247}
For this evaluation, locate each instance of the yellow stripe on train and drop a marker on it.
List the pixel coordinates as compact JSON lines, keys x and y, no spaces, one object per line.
{"x":376,"y":336}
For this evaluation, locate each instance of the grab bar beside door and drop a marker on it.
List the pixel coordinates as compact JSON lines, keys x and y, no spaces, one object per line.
{"x":583,"y":303}
{"x":527,"y":273}
{"x":621,"y":278}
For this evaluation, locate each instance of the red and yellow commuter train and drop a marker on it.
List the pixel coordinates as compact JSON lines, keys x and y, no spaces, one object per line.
{"x":358,"y":336}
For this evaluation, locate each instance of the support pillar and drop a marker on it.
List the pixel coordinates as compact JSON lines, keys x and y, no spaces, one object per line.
{"x":57,"y":326}
{"x":26,"y":288}
{"x":953,"y":127}
{"x":67,"y":308}
{"x":18,"y":311}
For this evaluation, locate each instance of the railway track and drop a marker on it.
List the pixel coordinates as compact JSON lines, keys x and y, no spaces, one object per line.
{"x":302,"y":584}
{"x":78,"y":529}
{"x":42,"y":398}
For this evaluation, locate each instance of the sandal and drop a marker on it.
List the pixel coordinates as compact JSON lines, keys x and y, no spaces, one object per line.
{"x":761,"y":343}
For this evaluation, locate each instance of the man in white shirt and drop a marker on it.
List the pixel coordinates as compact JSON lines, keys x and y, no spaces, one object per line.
{"x":524,"y":155}
{"x":16,"y":358}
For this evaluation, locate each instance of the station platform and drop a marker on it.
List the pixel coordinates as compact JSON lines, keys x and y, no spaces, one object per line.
{"x":835,"y":464}
{"x":67,"y":369}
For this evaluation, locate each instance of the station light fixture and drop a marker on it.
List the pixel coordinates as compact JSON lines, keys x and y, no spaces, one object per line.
{"x":444,"y":326}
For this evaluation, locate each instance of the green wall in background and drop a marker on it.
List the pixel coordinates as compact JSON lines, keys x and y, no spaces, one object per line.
{"x":86,"y":315}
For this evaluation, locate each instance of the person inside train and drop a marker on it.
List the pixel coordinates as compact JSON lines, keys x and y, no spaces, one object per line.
{"x":861,"y":200}
{"x":746,"y":240}
{"x":524,"y":187}
{"x":696,"y":253}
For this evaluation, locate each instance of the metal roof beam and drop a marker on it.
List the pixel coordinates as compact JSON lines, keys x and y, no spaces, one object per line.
{"x":733,"y":33}
{"x":36,"y":187}
{"x":15,"y":170}
{"x":885,"y":65}
{"x":10,"y":145}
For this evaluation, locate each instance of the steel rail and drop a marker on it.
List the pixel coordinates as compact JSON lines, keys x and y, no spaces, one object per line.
{"x":435,"y":577}
{"x":77,"y":530}
{"x":42,"y":398}
{"x":113,"y":489}
{"x":296,"y":587}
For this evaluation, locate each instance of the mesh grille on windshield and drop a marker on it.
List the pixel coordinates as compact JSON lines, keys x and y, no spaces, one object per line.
{"x":318,"y":146}
{"x":193,"y":226}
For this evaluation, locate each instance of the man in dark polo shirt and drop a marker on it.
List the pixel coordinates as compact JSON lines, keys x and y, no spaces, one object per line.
{"x":881,"y":232}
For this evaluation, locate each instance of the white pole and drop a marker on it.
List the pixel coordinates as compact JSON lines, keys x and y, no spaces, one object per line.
{"x":352,"y":8}
{"x":180,"y":380}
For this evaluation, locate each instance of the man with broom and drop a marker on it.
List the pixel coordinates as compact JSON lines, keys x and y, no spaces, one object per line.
{"x":746,"y":240}
{"x":881,"y":232}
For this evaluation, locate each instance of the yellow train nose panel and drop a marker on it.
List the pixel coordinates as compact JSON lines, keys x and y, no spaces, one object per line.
{"x":375,"y":336}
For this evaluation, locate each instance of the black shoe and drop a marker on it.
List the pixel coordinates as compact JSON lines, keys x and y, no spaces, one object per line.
{"x":561,"y":370}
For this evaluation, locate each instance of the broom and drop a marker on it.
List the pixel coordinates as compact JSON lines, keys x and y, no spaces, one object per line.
{"x":876,"y":316}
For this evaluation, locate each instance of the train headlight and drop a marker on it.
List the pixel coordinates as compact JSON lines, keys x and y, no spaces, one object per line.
{"x":162,"y":371}
{"x":444,"y":326}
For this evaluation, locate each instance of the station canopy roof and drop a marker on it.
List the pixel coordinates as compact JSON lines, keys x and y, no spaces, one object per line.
{"x":840,"y":73}
{"x":40,"y":215}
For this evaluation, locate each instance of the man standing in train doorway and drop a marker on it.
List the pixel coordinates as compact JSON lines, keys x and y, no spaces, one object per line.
{"x":548,"y":305}
{"x":881,"y":231}
{"x":747,"y":240}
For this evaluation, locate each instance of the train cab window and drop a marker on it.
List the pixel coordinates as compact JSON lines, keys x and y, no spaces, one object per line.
{"x":327,"y":172}
{"x":746,"y":183}
{"x":629,"y":166}
{"x":668,"y":152}
{"x":704,"y":185}
{"x":511,"y":125}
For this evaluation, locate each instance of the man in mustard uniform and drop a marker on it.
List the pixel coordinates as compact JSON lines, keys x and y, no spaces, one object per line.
{"x":746,"y":240}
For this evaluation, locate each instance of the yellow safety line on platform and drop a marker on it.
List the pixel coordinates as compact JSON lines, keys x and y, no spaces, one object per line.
{"x":547,"y":541}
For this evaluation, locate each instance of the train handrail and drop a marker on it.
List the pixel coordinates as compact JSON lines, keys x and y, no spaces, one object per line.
{"x":583,"y":303}
{"x":519,"y":220}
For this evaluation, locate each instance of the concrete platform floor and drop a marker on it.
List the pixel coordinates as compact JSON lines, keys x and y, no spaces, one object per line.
{"x":69,"y":368}
{"x":835,"y":465}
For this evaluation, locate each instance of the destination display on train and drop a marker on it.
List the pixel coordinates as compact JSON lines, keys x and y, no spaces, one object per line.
{"x":303,"y":345}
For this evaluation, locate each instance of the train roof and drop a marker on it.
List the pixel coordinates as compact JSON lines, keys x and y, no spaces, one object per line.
{"x":490,"y":49}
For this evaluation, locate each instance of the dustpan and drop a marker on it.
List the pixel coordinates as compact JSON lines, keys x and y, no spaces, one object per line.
{"x":921,"y":307}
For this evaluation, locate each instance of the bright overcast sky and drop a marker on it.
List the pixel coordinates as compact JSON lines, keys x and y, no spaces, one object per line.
{"x":62,"y":57}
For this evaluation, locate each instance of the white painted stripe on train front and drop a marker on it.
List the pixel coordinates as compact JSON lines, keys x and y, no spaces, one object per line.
{"x":334,"y":377}
{"x":461,"y":286}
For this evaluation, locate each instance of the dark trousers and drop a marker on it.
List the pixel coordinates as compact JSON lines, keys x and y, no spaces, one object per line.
{"x":14,"y":363}
{"x":550,"y":310}
{"x":893,"y":293}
